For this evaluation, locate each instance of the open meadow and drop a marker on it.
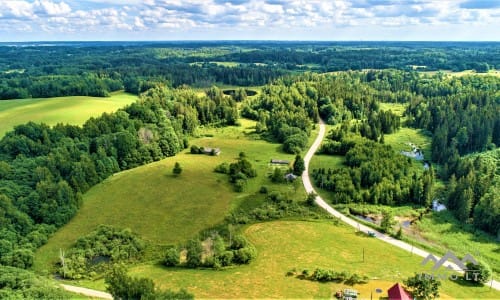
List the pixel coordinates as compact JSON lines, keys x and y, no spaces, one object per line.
{"x":74,"y":110}
{"x":285,"y":245}
{"x":164,"y":209}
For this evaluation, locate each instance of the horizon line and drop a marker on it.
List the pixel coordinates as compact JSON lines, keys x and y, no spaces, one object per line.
{"x":250,"y":40}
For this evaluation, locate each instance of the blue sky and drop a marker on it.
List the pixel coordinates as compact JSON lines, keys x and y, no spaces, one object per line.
{"x":39,"y":20}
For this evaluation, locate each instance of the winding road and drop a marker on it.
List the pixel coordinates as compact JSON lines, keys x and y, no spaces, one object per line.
{"x":405,"y":246}
{"x":86,"y":292}
{"x":309,"y":188}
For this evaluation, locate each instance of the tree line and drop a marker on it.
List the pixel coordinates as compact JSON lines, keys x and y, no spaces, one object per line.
{"x":45,"y":170}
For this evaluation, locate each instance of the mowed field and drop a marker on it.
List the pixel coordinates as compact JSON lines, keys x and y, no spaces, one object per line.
{"x":73,"y":110}
{"x":284,"y":245}
{"x":164,"y":209}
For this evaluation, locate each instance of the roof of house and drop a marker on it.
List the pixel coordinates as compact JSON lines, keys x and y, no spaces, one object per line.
{"x":397,"y":292}
{"x":279,"y":161}
{"x":208,"y":149}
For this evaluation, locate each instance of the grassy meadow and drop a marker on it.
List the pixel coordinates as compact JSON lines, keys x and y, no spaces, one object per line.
{"x":164,"y":209}
{"x":284,"y":245}
{"x":72,"y":109}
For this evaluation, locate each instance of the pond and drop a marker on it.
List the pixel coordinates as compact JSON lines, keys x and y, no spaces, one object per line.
{"x":248,"y":91}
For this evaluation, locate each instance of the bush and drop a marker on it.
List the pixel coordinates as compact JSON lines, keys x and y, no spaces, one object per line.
{"x":239,"y":242}
{"x":172,"y":257}
{"x":263,"y":189}
{"x":195,"y":149}
{"x":194,"y":253}
{"x":177,"y":170}
{"x":226,"y":258}
{"x":295,"y":143}
{"x":223,"y":168}
{"x":356,"y":279}
{"x":244,"y":255}
{"x":480,"y":273}
{"x":239,"y":185}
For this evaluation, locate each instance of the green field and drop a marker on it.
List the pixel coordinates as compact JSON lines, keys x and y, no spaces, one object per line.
{"x":73,"y":110}
{"x":164,"y":209}
{"x":284,"y":245}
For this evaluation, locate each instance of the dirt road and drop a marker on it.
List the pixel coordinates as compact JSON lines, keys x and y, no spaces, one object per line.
{"x":309,"y":188}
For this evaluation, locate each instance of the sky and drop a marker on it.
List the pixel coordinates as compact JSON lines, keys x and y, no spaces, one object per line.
{"x":357,"y":20}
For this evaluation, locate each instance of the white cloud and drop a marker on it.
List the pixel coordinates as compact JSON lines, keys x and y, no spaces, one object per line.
{"x":51,"y":8}
{"x":277,"y":16}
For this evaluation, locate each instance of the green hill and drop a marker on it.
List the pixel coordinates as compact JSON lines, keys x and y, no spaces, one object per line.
{"x":165,"y":209}
{"x":73,"y":109}
{"x":284,"y":245}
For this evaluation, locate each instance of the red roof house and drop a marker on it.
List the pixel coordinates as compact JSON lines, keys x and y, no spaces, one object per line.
{"x":397,"y":292}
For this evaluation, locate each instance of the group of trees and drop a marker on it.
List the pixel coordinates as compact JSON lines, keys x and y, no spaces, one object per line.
{"x":122,"y":286}
{"x":284,"y":110}
{"x":92,"y":254}
{"x":213,"y":252}
{"x":17,"y":283}
{"x":44,"y":171}
{"x":239,"y":172}
{"x":373,"y":173}
{"x":472,"y":192}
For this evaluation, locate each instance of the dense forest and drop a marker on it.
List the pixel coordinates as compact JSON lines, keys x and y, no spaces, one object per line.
{"x":96,"y":69}
{"x":45,"y":170}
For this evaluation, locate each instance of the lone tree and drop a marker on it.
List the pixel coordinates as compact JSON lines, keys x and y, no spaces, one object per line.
{"x":387,"y":221}
{"x":423,"y":286}
{"x":298,"y":165}
{"x":177,"y":169}
{"x":311,"y":197}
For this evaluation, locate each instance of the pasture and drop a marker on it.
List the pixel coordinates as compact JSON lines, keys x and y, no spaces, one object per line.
{"x":73,"y":110}
{"x":164,"y":209}
{"x":284,"y":245}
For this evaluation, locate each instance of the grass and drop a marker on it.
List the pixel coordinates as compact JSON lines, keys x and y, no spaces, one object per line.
{"x":73,"y":110}
{"x":492,"y":72}
{"x":164,"y":209}
{"x":397,"y":108}
{"x":283,"y":245}
{"x":443,"y":229}
{"x":229,"y":64}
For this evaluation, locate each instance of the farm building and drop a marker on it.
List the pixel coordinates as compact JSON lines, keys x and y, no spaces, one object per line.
{"x":397,"y":292}
{"x":290,"y":177}
{"x":280,"y":161}
{"x":211,"y":151}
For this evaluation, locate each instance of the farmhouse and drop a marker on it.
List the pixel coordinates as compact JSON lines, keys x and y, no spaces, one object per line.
{"x":290,"y":177}
{"x":280,"y":161}
{"x":211,"y":151}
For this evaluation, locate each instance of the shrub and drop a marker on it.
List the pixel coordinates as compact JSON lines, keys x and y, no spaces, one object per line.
{"x":195,"y":149}
{"x":263,"y":189}
{"x":478,"y":273}
{"x":223,"y":168}
{"x":239,"y":242}
{"x":172,"y":257}
{"x":177,"y":170}
{"x":244,"y":255}
{"x":226,"y":258}
{"x":356,"y":279}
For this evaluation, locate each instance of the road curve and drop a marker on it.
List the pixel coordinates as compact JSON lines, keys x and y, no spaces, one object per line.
{"x":86,"y":292}
{"x":388,"y":239}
